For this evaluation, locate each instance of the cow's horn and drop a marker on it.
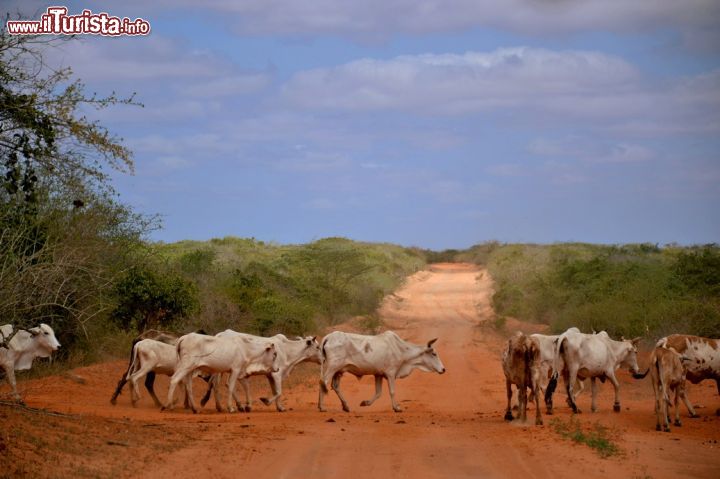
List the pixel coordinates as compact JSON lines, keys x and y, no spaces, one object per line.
{"x":34,"y":332}
{"x":430,"y":343}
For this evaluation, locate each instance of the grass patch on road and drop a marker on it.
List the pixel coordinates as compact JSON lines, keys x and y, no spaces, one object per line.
{"x":597,"y":437}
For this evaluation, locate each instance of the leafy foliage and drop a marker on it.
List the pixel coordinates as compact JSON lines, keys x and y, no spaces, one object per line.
{"x":629,"y":290}
{"x":148,"y":300}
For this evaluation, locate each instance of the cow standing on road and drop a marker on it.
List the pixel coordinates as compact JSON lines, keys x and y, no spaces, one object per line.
{"x":215,"y":355}
{"x":667,"y":373}
{"x":383,"y":356}
{"x":161,"y":336}
{"x":290,"y":353}
{"x":703,"y":362}
{"x":593,"y":356}
{"x":521,"y":365}
{"x":23,"y":348}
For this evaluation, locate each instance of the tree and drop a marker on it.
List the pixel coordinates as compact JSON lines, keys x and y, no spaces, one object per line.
{"x":147,"y":299}
{"x":64,"y":238}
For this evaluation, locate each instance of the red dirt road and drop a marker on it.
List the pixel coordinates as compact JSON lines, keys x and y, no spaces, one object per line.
{"x":452,"y":425}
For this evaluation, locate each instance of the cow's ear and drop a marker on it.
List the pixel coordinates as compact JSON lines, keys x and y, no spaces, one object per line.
{"x":636,"y":340}
{"x":431,"y":342}
{"x":34,"y":331}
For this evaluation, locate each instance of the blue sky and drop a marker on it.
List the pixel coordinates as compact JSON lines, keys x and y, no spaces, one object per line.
{"x":436,"y":123}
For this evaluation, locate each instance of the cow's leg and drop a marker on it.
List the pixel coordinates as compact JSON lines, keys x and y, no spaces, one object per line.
{"x":676,"y":404}
{"x":150,"y":386}
{"x":322,"y":391}
{"x":208,"y":392}
{"x":538,"y":414}
{"x":688,"y":404}
{"x":616,"y":385}
{"x":245,"y":383}
{"x":522,"y":402}
{"x":508,"y":411}
{"x":134,"y":378}
{"x":176,"y":378}
{"x":378,"y":391}
{"x":231,"y":389}
{"x":216,"y":379}
{"x":189,"y":393}
{"x":336,"y":387}
{"x":119,"y":388}
{"x":10,"y":373}
{"x":391,"y":387}
{"x":593,"y":389}
{"x":569,"y":382}
{"x":275,"y":382}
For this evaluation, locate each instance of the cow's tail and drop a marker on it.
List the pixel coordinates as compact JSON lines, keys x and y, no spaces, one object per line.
{"x":323,"y":358}
{"x":123,"y":379}
{"x":661,"y":380}
{"x":178,"y":348}
{"x":133,"y":362}
{"x":558,"y":364}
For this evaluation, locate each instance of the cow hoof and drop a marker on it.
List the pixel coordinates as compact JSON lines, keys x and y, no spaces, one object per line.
{"x":538,"y":422}
{"x":322,"y":409}
{"x":677,"y":423}
{"x":549,"y":412}
{"x":365,"y":403}
{"x":694,"y":416}
{"x":616,"y":407}
{"x":247,"y":409}
{"x":194,"y":411}
{"x":657,"y":427}
{"x":345,"y":408}
{"x":265,"y":401}
{"x":280,"y":409}
{"x":577,"y":410}
{"x":113,"y":401}
{"x":397,"y":409}
{"x":666,"y":429}
{"x":508,"y":416}
{"x":593,"y":409}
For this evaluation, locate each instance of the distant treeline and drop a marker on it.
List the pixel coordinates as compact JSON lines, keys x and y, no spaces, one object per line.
{"x":626,"y":290}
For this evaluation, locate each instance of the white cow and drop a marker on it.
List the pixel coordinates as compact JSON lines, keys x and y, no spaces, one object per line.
{"x":150,"y":355}
{"x":290,"y":353}
{"x":547,"y":345}
{"x":23,"y":348}
{"x":594,"y":356}
{"x":383,"y":356}
{"x":216,"y":355}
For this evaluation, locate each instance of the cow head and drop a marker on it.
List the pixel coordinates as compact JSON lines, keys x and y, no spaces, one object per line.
{"x":429,"y":361}
{"x":630,"y":357}
{"x":313,"y":352}
{"x":45,"y":341}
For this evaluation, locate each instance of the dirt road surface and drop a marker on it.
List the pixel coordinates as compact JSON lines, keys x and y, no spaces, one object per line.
{"x":452,"y":424}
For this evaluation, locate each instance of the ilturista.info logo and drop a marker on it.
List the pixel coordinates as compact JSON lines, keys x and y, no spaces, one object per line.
{"x":56,"y":21}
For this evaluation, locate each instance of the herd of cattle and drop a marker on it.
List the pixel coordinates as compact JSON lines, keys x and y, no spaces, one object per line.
{"x":531,"y":362}
{"x":535,"y":363}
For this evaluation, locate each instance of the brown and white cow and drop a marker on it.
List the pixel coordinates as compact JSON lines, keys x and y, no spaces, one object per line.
{"x":521,"y":365}
{"x":667,"y":373}
{"x":215,"y":355}
{"x":290,"y":353}
{"x":385,"y":355}
{"x":703,"y":359}
{"x":22,"y":349}
{"x":594,"y":356}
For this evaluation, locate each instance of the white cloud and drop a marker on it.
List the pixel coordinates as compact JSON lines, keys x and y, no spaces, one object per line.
{"x":526,"y":84}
